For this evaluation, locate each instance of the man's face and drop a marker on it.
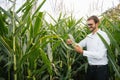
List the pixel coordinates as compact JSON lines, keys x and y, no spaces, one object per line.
{"x":91,"y":25}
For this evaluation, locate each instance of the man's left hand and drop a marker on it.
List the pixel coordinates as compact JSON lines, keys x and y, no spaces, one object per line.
{"x":78,"y":49}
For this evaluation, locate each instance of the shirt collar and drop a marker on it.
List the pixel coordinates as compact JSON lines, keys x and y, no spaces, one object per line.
{"x":90,"y":35}
{"x":98,"y":31}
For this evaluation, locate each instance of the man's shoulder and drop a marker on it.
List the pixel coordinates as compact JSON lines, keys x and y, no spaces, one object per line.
{"x":102,"y":32}
{"x":105,"y":36}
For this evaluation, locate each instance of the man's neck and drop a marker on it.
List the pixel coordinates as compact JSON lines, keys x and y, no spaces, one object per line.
{"x":95,"y":31}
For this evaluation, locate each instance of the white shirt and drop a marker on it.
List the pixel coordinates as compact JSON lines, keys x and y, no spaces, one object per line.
{"x":96,"y":52}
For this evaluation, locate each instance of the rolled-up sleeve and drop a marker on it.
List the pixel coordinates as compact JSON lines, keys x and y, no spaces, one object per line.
{"x":95,"y":54}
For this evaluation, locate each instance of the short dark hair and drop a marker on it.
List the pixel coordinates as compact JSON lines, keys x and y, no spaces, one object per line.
{"x":95,"y":18}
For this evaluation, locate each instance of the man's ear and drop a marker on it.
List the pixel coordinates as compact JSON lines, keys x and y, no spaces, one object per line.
{"x":97,"y":24}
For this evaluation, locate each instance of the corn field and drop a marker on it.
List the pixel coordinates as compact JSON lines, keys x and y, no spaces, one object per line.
{"x":33,"y":49}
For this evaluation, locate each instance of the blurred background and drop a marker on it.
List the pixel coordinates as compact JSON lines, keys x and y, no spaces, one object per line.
{"x":78,"y":8}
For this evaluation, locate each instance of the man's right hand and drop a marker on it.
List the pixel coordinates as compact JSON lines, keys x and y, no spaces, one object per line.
{"x":69,"y":41}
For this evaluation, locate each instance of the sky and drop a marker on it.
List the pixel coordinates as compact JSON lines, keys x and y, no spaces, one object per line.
{"x":78,"y":8}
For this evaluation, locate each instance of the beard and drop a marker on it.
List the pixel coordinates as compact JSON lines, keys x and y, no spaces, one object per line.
{"x":92,"y":28}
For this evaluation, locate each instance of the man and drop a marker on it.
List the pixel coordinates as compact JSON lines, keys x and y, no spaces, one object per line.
{"x":96,"y":52}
